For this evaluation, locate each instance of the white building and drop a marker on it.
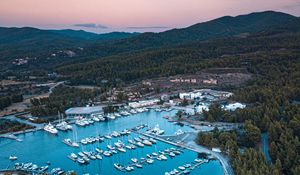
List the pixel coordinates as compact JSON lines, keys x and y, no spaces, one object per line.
{"x":234,"y":106}
{"x":83,"y":111}
{"x":202,"y":107}
{"x":143,"y":103}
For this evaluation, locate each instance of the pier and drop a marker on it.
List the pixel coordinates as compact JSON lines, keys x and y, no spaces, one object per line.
{"x":191,"y":145}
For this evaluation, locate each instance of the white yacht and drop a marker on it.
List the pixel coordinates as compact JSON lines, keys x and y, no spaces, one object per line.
{"x":51,"y":129}
{"x":13,"y":158}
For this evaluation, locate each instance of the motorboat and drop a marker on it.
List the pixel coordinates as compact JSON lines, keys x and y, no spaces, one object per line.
{"x":181,"y":168}
{"x":118,"y":166}
{"x":163,"y":157}
{"x":107,"y":153}
{"x":98,"y":156}
{"x":140,"y":144}
{"x":122,"y":150}
{"x":80,"y":161}
{"x":50,"y":128}
{"x":134,"y":160}
{"x":152,"y":140}
{"x":64,"y":126}
{"x":96,"y":119}
{"x":150,"y":161}
{"x":129,"y":168}
{"x":12,"y":158}
{"x":147,"y":142}
{"x":99,"y":150}
{"x":138,"y":165}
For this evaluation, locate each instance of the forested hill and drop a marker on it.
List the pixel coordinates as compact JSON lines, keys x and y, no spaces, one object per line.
{"x":227,"y":26}
{"x":181,"y":59}
{"x":266,"y":23}
{"x":39,"y":45}
{"x":32,"y":42}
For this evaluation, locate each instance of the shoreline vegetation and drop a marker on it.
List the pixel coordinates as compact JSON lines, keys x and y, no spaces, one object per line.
{"x":8,"y":126}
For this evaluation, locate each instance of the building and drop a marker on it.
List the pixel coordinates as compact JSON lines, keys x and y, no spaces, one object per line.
{"x":83,"y":111}
{"x":210,"y":81}
{"x":234,"y":106}
{"x":143,"y":103}
{"x":201,"y":108}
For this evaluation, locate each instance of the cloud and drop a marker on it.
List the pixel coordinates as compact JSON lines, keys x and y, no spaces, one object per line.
{"x":148,"y":27}
{"x":91,"y":25}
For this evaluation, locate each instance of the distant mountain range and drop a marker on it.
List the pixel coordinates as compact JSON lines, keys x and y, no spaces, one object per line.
{"x":18,"y":42}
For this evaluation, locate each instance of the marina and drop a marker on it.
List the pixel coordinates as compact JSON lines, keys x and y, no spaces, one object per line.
{"x":117,"y":146}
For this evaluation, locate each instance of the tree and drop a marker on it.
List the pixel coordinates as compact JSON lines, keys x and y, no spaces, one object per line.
{"x":253,"y":133}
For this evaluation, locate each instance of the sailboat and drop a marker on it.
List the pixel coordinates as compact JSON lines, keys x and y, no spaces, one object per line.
{"x":62,"y":125}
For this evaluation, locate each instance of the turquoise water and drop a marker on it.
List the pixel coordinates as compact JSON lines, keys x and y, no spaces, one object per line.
{"x":40,"y":147}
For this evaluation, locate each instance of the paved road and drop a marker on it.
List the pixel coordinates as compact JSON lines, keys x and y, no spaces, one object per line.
{"x":14,"y":118}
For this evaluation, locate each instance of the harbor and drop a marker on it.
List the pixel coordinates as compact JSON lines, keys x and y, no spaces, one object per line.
{"x":104,"y":144}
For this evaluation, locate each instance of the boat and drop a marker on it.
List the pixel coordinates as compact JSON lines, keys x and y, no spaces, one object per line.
{"x":110,"y":147}
{"x":138,"y":165}
{"x":140,"y":144}
{"x":12,"y":158}
{"x":152,"y":140}
{"x":70,"y":143}
{"x":96,"y":119}
{"x":43,"y":168}
{"x":81,"y":154}
{"x":129,"y":168}
{"x":107,"y":153}
{"x":150,"y":161}
{"x":80,"y":161}
{"x":73,"y":155}
{"x":118,"y":166}
{"x":163,"y":157}
{"x":147,"y":142}
{"x":154,"y":154}
{"x":99,"y":150}
{"x":181,"y":168}
{"x":51,"y":129}
{"x":122,"y":150}
{"x":98,"y":156}
{"x":64,"y":126}
{"x":171,"y":154}
{"x":134,"y":160}
{"x":108,"y":136}
{"x":198,"y":160}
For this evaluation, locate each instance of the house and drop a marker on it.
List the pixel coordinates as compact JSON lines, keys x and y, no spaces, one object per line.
{"x":143,"y":103}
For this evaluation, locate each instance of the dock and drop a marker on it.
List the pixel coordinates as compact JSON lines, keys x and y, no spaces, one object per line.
{"x":192,"y":146}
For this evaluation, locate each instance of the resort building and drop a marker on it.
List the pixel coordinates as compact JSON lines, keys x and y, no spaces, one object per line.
{"x":234,"y":106}
{"x":208,"y":94}
{"x":83,"y":111}
{"x":143,"y":103}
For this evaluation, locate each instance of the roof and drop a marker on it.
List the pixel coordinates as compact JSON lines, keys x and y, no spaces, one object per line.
{"x":84,"y":110}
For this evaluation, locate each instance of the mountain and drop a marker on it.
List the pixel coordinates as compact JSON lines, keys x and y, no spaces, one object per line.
{"x":31,"y":42}
{"x":227,"y":26}
{"x":81,"y":34}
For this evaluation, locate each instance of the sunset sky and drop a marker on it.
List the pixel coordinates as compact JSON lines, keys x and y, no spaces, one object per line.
{"x":129,"y":15}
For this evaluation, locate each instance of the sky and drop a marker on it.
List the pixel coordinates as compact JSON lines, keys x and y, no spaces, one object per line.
{"x":102,"y":16}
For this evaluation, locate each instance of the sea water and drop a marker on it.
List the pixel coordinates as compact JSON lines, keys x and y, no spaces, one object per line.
{"x":40,"y":147}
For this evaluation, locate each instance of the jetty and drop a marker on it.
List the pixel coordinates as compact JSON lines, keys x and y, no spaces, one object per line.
{"x":191,"y":145}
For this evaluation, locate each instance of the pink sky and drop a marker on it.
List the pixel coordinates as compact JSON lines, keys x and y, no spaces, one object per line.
{"x":121,"y":14}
